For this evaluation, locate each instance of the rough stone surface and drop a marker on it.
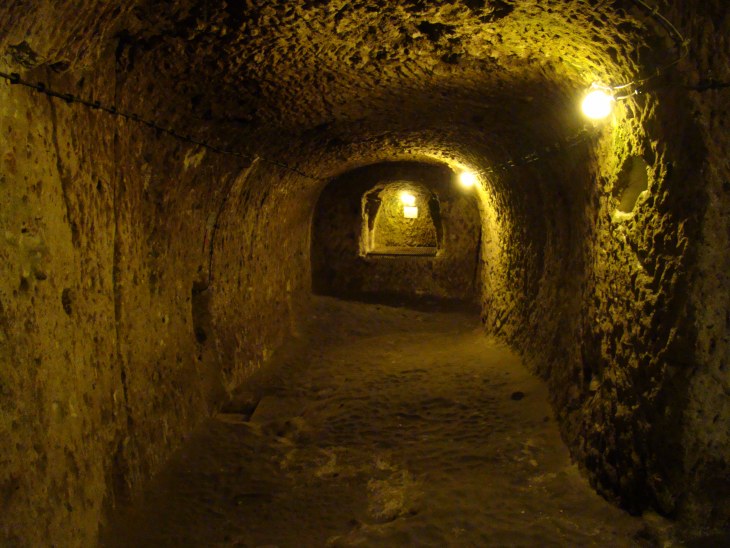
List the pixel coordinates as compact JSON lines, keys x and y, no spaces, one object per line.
{"x":340,"y":260}
{"x":391,"y":227}
{"x":107,"y":234}
{"x":118,"y":332}
{"x":370,"y":431}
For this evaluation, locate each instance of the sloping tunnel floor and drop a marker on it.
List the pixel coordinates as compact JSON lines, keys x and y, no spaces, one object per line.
{"x":379,"y":426}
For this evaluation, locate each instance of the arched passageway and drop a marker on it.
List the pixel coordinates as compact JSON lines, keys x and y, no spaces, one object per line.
{"x":155,"y":255}
{"x":402,"y":218}
{"x":362,"y":243}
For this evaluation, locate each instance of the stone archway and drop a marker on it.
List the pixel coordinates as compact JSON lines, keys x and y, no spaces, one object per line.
{"x":401,"y":218}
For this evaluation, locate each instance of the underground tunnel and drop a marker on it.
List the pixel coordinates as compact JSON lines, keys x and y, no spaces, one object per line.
{"x":348,"y":273}
{"x":396,"y":229}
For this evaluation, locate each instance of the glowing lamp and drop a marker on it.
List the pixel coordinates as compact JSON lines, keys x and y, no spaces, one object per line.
{"x":410,"y":212}
{"x":467,"y":179}
{"x":407,"y":199}
{"x":598,"y":104}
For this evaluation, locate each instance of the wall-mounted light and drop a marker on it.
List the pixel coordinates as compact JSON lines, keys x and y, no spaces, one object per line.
{"x":598,"y":104}
{"x":408,"y":199}
{"x":467,"y":178}
{"x":410,"y":212}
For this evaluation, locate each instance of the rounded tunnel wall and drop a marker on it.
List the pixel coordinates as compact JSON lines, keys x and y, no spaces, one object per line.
{"x":120,"y":241}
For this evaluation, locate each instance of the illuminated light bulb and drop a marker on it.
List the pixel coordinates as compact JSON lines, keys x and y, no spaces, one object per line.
{"x":407,"y":199}
{"x":467,"y":179}
{"x":598,"y":104}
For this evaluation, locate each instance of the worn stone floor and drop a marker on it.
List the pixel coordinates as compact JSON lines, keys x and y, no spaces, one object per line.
{"x":379,"y":427}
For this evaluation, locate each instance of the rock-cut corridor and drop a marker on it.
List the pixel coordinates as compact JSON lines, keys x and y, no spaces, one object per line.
{"x":198,"y":197}
{"x":379,"y":426}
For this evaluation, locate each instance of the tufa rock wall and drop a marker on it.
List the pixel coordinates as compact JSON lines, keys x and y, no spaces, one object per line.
{"x":387,"y":226}
{"x":105,"y":296}
{"x":117,"y":331}
{"x":622,"y":306}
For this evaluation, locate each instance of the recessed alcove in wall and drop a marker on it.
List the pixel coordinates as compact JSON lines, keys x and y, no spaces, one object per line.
{"x":400,"y":218}
{"x":633,"y":179}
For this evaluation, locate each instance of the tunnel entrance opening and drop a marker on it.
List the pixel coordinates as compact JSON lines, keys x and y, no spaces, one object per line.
{"x":400,"y":218}
{"x":632,"y":181}
{"x":200,"y":311}
{"x":366,"y":239}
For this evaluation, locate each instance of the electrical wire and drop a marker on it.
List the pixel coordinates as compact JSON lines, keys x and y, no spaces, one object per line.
{"x":40,"y":87}
{"x":585,"y":134}
{"x":683,"y":53}
{"x":15,"y":79}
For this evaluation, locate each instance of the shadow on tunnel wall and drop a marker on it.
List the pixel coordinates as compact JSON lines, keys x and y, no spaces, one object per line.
{"x":344,"y":264}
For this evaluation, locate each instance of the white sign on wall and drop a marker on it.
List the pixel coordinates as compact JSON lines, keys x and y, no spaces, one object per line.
{"x":410,"y":212}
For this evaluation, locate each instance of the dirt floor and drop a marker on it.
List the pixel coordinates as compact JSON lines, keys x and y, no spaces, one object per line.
{"x":379,"y":427}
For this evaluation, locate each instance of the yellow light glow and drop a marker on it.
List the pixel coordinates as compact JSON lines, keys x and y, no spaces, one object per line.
{"x":407,"y":199}
{"x":598,"y":104}
{"x":410,"y":212}
{"x":467,"y":179}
